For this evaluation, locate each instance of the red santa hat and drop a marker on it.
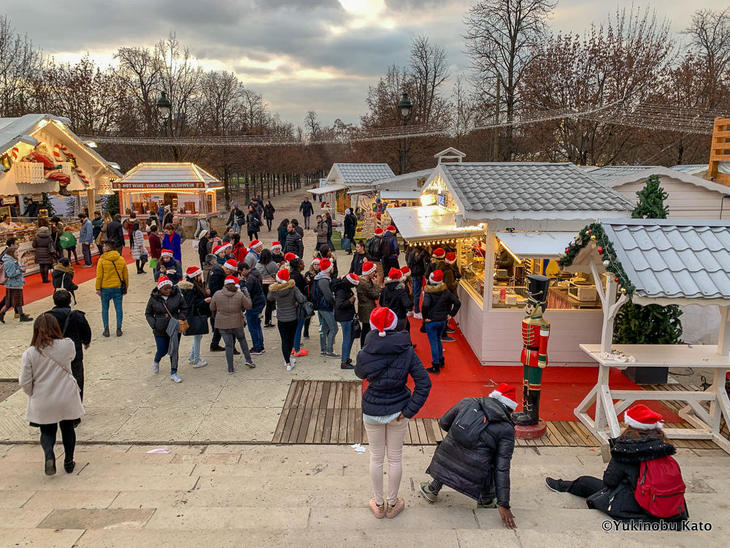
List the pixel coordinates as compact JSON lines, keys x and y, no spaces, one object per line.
{"x":394,"y":275}
{"x":390,"y":228}
{"x":221,"y":248}
{"x":436,"y":277}
{"x":368,"y":267}
{"x":353,"y":278}
{"x":505,"y":394}
{"x":255,"y":243}
{"x":231,"y":264}
{"x":275,"y":245}
{"x":230,"y":280}
{"x":162,"y":281}
{"x":325,"y":265}
{"x":643,"y":418}
{"x":450,"y":257}
{"x":290,"y":256}
{"x":193,"y":271}
{"x":383,"y":319}
{"x":439,"y":253}
{"x":316,"y":261}
{"x":166,"y":253}
{"x":406,"y":271}
{"x":378,"y":231}
{"x":282,"y":276}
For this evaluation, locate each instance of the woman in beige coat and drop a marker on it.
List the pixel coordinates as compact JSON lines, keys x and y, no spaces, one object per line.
{"x":53,"y":394}
{"x":228,"y":305}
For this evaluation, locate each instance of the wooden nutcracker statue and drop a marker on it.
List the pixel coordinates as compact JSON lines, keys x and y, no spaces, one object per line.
{"x":535,"y":334}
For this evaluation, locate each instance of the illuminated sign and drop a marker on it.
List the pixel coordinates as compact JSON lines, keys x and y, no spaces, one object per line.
{"x":156,"y":186}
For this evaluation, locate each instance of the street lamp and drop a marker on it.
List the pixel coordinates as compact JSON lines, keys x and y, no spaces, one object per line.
{"x":165,"y":107}
{"x":405,"y":107}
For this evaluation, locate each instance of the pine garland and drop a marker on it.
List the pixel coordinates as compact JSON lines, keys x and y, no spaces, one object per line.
{"x":594,"y":232}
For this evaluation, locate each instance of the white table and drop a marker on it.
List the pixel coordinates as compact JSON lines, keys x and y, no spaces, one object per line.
{"x":706,"y":423}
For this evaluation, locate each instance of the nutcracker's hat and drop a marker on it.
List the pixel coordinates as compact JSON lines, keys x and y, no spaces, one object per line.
{"x":537,"y":288}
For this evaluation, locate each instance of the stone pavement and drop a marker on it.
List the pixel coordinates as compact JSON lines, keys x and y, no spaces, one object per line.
{"x":258,"y":495}
{"x":126,"y":402}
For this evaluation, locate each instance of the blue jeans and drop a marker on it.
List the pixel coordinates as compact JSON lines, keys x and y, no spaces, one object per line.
{"x":236,"y":228}
{"x":298,"y":336}
{"x":434,"y":330}
{"x":417,"y":288}
{"x":346,"y":340}
{"x":254,"y":327}
{"x":111,"y":294}
{"x":327,"y":330}
{"x":195,"y":350}
{"x":163,"y":345}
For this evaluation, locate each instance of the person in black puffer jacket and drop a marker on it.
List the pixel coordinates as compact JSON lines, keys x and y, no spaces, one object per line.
{"x":642,"y":440}
{"x":386,"y":362}
{"x":165,"y":303}
{"x":395,"y":296}
{"x":439,"y":304}
{"x":481,"y":468}
{"x":417,"y":259}
{"x":345,"y":314}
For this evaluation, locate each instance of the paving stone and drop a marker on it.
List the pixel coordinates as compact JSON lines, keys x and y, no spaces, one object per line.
{"x":88,"y":518}
{"x":47,"y":538}
{"x":22,"y":518}
{"x":229,"y":518}
{"x":68,"y":499}
{"x":13,"y":498}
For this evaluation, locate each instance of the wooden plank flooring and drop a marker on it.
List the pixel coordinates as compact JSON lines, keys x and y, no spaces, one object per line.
{"x":330,"y":412}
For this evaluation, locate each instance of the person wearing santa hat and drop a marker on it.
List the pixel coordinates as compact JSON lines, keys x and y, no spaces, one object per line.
{"x":395,"y":296}
{"x":228,"y":306}
{"x":296,"y":267}
{"x":345,"y":314}
{"x":252,"y":282}
{"x":166,"y":310}
{"x":373,"y":247}
{"x":326,"y":252}
{"x":324,"y":302}
{"x":173,"y":241}
{"x":640,"y":449}
{"x":389,"y":250}
{"x":287,"y":297}
{"x":439,"y":304}
{"x":417,"y":258}
{"x":387,"y":361}
{"x":276,"y":252}
{"x":168,"y":266}
{"x":475,"y":456}
{"x":254,"y":253}
{"x":309,"y":279}
{"x":268,"y":268}
{"x":368,"y":293}
{"x":196,"y":297}
{"x":216,"y":280}
{"x":438,"y":261}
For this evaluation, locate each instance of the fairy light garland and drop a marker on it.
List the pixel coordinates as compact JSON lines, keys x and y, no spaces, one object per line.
{"x":594,"y":233}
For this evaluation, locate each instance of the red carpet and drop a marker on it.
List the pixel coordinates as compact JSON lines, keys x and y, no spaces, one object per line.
{"x":563,"y":388}
{"x":35,"y":289}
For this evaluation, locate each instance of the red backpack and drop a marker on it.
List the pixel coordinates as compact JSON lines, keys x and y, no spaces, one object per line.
{"x":660,"y":488}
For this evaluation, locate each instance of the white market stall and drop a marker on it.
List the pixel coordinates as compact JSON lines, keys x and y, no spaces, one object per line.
{"x":186,"y":187}
{"x":505,"y":221}
{"x":664,"y":262}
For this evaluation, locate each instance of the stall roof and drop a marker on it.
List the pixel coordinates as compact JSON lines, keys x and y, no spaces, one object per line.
{"x":325,"y":189}
{"x":160,"y":175}
{"x":527,"y":245}
{"x":400,"y":194}
{"x":429,"y":223}
{"x":622,"y":175}
{"x":529,"y":190}
{"x":358,"y":174}
{"x":670,"y":261}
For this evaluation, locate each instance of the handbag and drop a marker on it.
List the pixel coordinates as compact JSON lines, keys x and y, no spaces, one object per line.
{"x":183,"y":324}
{"x":305,"y":310}
{"x":345,"y":243}
{"x":153,"y":263}
{"x":123,"y":287}
{"x":356,"y":327}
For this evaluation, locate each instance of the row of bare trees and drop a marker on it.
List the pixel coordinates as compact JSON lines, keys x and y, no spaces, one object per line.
{"x":520,"y":71}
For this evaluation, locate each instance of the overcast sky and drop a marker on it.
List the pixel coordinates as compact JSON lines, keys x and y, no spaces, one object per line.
{"x":301,"y":55}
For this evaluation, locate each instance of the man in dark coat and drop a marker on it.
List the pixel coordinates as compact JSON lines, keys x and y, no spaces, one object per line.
{"x":293,"y":242}
{"x":417,"y":259}
{"x":115,"y":233}
{"x":307,"y":209}
{"x":481,"y":469}
{"x":350,"y":227}
{"x":74,"y":326}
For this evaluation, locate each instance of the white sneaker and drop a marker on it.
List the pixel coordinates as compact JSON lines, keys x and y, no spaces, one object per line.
{"x":290,"y":366}
{"x":418,"y":316}
{"x":199,"y":363}
{"x":293,"y":360}
{"x":155,"y":367}
{"x":175,"y":377}
{"x":409,"y":313}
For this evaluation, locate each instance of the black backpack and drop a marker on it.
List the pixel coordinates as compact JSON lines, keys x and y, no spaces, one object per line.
{"x":469,"y":424}
{"x":316,"y":294}
{"x":372,"y":248}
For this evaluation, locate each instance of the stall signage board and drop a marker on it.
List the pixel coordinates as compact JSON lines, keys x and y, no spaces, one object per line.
{"x":156,"y":186}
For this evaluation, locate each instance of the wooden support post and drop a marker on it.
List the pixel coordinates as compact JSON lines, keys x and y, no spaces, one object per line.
{"x":723,"y":340}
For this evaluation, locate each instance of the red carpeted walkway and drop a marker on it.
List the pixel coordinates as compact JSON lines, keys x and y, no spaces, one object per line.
{"x":563,"y":388}
{"x":35,"y":289}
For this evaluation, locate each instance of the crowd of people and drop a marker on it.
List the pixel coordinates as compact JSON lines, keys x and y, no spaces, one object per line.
{"x":236,"y":288}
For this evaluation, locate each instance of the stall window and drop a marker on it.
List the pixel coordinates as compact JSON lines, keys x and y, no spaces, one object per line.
{"x":471,"y":265}
{"x":567,"y":291}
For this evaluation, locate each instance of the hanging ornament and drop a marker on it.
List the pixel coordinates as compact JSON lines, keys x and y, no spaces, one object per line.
{"x":589,"y":231}
{"x":593,"y":238}
{"x":6,"y":163}
{"x":623,"y":291}
{"x":616,"y":279}
{"x":567,"y":249}
{"x":600,"y":251}
{"x":606,"y":263}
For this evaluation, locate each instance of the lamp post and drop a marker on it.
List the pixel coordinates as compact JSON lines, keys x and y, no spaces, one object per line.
{"x":165,"y":107}
{"x":405,"y":107}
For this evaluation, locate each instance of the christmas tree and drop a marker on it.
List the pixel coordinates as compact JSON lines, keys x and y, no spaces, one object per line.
{"x":651,"y":324}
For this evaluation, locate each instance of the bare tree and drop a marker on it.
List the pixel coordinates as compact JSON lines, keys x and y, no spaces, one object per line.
{"x":20,"y":64}
{"x":312,"y":126}
{"x":428,"y":71}
{"x":500,"y":38}
{"x":710,"y":37}
{"x":140,"y":72}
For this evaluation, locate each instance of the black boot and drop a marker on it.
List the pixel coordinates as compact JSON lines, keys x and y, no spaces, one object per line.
{"x":523,"y":417}
{"x":535,"y":406}
{"x":435,"y":369}
{"x":529,"y":416}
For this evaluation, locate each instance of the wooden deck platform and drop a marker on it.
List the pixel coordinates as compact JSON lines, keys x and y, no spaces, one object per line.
{"x":330,"y":412}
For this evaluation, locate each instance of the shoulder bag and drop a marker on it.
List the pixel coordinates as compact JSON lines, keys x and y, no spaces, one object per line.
{"x":184,"y":325}
{"x":123,"y":287}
